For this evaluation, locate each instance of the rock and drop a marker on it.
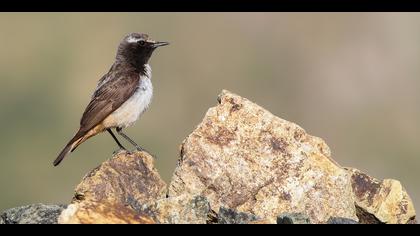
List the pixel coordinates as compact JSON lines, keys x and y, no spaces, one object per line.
{"x":32,"y":214}
{"x":244,"y":158}
{"x":412,"y":221}
{"x":261,"y":222}
{"x":127,"y":178}
{"x":381,"y":201}
{"x":340,"y":220}
{"x":241,"y":165}
{"x":111,"y":192}
{"x":230,"y":216}
{"x":183,"y":209}
{"x":293,"y":218}
{"x":102,"y":213}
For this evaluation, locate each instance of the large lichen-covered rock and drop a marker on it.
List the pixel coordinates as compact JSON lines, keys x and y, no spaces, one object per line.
{"x":244,"y":158}
{"x":111,"y":192}
{"x":32,"y":214}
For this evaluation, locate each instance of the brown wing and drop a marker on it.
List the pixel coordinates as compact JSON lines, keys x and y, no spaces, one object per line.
{"x":107,"y":98}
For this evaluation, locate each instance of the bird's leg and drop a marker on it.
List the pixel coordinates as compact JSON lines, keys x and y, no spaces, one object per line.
{"x":116,"y":140}
{"x":119,"y":131}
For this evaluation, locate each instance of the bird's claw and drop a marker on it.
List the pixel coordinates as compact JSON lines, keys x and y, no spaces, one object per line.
{"x":140,"y":149}
{"x":120,"y":150}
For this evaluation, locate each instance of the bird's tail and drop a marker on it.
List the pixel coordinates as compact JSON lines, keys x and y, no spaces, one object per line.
{"x":71,"y":145}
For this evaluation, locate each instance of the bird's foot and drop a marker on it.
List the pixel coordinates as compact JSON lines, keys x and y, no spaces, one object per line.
{"x":140,"y":149}
{"x":120,"y":150}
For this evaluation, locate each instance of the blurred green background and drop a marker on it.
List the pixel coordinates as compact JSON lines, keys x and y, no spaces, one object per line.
{"x":351,"y":78}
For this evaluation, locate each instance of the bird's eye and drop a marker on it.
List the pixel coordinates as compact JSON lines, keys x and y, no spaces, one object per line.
{"x":141,"y":42}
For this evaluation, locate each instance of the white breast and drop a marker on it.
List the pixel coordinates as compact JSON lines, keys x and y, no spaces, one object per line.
{"x":130,"y":111}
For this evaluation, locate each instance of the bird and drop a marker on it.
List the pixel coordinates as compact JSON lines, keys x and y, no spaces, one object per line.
{"x":121,"y":95}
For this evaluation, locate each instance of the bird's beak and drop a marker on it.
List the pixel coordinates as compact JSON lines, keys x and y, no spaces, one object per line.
{"x":159,"y":44}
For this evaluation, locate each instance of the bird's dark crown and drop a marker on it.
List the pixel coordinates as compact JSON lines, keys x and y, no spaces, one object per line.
{"x":136,"y":49}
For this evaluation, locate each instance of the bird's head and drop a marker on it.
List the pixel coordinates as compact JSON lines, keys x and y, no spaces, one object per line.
{"x":137,"y":48}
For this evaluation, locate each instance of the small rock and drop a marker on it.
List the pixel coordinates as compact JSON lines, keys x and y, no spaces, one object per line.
{"x":381,"y":201}
{"x":341,"y":220}
{"x":230,"y":216}
{"x":115,"y":189}
{"x":126,"y":178}
{"x":32,"y":214}
{"x":293,"y":218}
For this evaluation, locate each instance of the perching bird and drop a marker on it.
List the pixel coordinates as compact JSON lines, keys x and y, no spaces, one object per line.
{"x":121,"y":95}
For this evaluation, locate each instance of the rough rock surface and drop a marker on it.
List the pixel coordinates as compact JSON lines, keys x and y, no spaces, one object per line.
{"x":293,"y":218}
{"x":32,"y":214}
{"x":115,"y":189}
{"x":102,"y":213}
{"x":385,"y":201}
{"x":229,"y":216}
{"x":183,"y":209}
{"x":261,"y":222}
{"x":341,"y":221}
{"x":244,"y":158}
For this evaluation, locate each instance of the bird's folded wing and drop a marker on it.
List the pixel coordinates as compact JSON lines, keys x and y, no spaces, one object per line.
{"x":107,"y":98}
